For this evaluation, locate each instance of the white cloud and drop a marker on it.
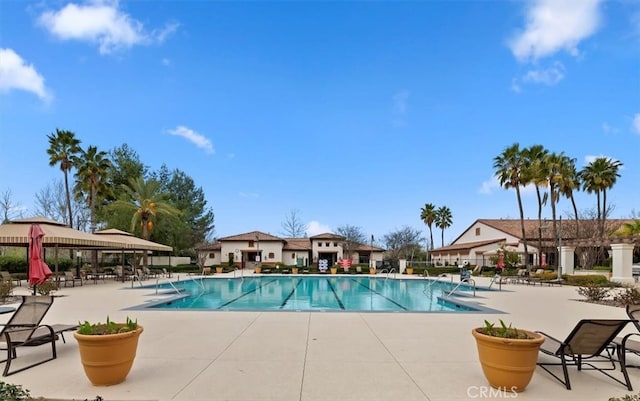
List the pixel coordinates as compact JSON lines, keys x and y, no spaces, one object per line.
{"x":15,"y":73}
{"x":608,"y":129}
{"x":103,"y":23}
{"x":400,"y":107}
{"x":190,"y":135}
{"x":166,"y":61}
{"x":315,"y":228}
{"x":554,"y":25}
{"x":590,"y":158}
{"x":548,"y":76}
{"x":489,"y":186}
{"x":636,"y":123}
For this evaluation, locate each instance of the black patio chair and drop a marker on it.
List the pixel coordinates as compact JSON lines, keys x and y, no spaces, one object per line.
{"x":24,"y":330}
{"x":588,"y":344}
{"x":629,"y":343}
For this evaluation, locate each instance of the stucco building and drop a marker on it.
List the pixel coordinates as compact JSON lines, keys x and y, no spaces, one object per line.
{"x":247,"y":249}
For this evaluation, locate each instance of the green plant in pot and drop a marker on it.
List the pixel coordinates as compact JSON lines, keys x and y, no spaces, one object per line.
{"x":107,"y":350}
{"x":508,"y":355}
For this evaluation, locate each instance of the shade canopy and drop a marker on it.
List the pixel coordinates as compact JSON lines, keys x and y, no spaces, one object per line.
{"x":130,"y":241}
{"x":16,"y":233}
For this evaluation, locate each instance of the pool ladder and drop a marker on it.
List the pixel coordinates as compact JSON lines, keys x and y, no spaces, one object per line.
{"x":437,"y":280}
{"x":393,"y":270}
{"x":170,"y":283}
{"x":465,"y":281}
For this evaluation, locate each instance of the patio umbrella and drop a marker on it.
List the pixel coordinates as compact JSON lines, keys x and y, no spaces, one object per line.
{"x":39,"y":272}
{"x":500,"y":264}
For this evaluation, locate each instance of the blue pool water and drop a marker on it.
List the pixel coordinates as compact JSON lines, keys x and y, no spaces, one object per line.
{"x":313,"y":293}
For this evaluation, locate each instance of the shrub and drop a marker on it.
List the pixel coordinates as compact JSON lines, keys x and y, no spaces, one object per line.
{"x":628,"y":397}
{"x":589,"y":279}
{"x":6,"y":290}
{"x":629,"y":295}
{"x":13,"y":392}
{"x":594,"y":292}
{"x":47,"y":287}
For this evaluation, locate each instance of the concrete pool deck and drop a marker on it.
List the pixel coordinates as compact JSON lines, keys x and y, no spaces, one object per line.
{"x":310,"y":356}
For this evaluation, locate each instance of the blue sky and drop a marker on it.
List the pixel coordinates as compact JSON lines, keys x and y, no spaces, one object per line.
{"x":352,"y":113}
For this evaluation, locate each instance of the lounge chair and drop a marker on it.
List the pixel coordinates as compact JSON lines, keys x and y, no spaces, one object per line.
{"x":589,"y":340}
{"x":628,"y":343}
{"x":24,"y":330}
{"x":70,"y":278}
{"x":6,"y":276}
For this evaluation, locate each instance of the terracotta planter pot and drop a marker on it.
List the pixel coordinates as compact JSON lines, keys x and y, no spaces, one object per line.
{"x":508,"y":363}
{"x":334,"y":270}
{"x":219,"y":270}
{"x":372,"y":271}
{"x":107,"y":359}
{"x":294,"y":270}
{"x":409,"y":270}
{"x":258,"y":270}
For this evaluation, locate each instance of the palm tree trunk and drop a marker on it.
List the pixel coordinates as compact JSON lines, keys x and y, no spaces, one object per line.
{"x":575,"y":213}
{"x":524,"y":237}
{"x":539,"y":225}
{"x":66,"y":188}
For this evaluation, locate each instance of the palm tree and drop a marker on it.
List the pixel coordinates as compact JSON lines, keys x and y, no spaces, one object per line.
{"x":92,"y":171}
{"x":569,"y":182}
{"x":598,"y":176}
{"x":443,"y":220}
{"x":536,"y":173}
{"x":630,"y":229}
{"x":63,"y":146}
{"x":509,"y":165}
{"x":555,"y":164}
{"x":146,"y":202}
{"x":428,"y":216}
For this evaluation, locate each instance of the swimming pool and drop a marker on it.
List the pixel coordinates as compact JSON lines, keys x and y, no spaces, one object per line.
{"x":313,"y":293}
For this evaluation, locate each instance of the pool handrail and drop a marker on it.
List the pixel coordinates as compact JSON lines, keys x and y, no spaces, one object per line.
{"x":467,"y":281}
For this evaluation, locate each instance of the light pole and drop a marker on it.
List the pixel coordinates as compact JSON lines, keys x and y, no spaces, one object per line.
{"x":78,"y":257}
{"x":372,"y":263}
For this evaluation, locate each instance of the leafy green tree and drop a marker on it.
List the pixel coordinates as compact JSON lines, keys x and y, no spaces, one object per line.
{"x":63,"y":146}
{"x":508,"y":167}
{"x":599,"y":176}
{"x":428,"y":216}
{"x":196,"y":221}
{"x":125,"y":165}
{"x":443,"y":220}
{"x":353,"y":236}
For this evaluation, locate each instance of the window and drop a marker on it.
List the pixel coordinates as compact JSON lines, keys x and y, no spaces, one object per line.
{"x":326,"y":244}
{"x":251,"y":244}
{"x":319,"y":244}
{"x":271,"y":255}
{"x":477,"y":231}
{"x":335,"y":244}
{"x":293,"y":255}
{"x":212,"y":255}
